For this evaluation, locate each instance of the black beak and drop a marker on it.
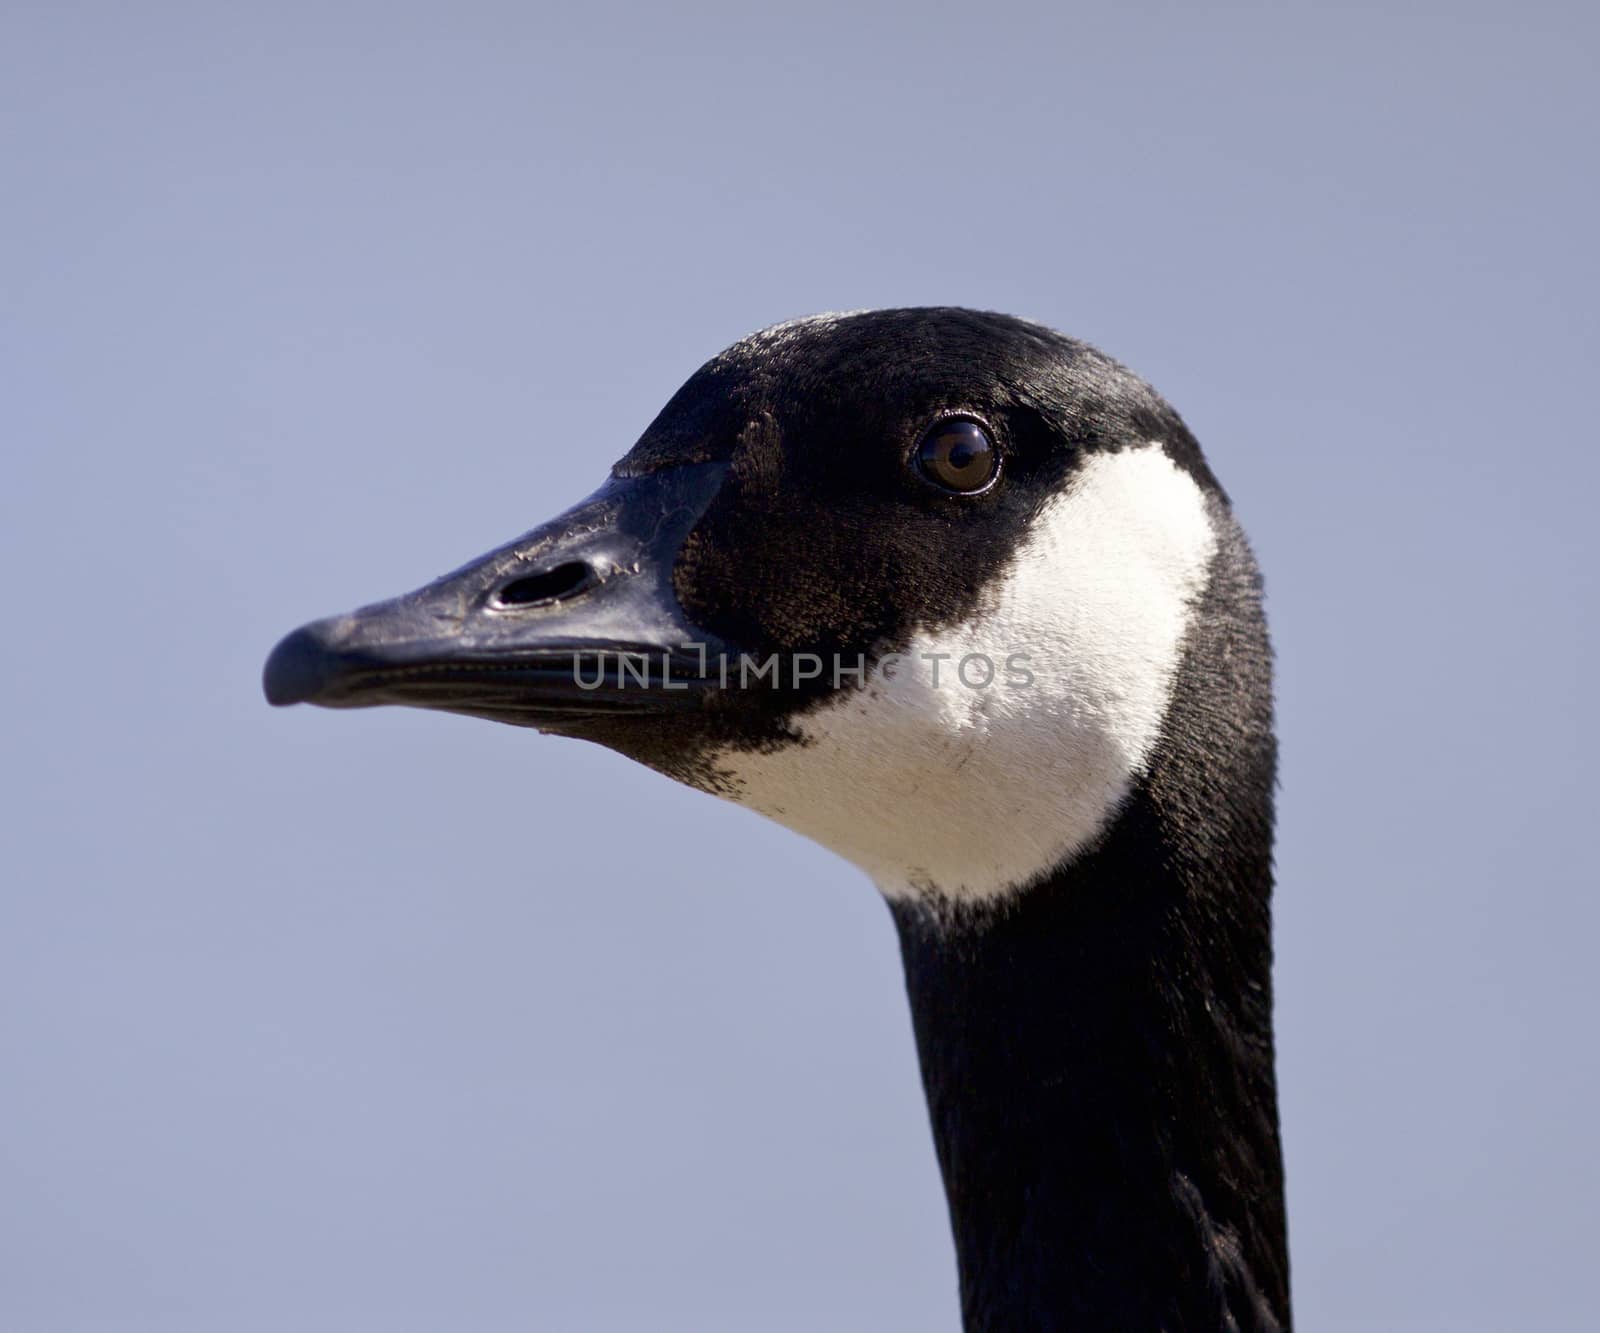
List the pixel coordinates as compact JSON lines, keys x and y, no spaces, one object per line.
{"x":577,"y":618}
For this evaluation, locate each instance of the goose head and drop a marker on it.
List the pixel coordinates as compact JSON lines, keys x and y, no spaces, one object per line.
{"x":915,"y":583}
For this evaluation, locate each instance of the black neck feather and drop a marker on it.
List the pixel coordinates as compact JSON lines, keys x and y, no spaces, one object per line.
{"x":1097,"y":1052}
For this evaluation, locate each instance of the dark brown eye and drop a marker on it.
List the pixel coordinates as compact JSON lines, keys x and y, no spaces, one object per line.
{"x":958,"y":455}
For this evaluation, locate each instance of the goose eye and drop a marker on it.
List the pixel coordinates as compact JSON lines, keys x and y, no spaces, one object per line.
{"x":957,"y":454}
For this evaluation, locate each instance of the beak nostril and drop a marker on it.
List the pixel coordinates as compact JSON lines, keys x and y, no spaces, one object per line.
{"x":553,"y":585}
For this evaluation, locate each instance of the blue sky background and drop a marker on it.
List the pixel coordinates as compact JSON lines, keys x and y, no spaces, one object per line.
{"x":403,"y":1022}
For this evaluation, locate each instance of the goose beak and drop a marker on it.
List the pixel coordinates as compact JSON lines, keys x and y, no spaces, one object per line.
{"x":575,"y":619}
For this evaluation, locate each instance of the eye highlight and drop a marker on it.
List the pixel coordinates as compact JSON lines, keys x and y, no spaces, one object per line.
{"x":958,"y":454}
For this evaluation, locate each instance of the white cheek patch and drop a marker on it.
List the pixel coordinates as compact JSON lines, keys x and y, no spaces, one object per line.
{"x":966,"y":793}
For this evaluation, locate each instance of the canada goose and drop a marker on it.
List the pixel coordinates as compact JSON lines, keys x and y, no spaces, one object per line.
{"x":959,"y":598}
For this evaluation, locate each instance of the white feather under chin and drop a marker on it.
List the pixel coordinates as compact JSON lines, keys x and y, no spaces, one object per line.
{"x":974,"y":792}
